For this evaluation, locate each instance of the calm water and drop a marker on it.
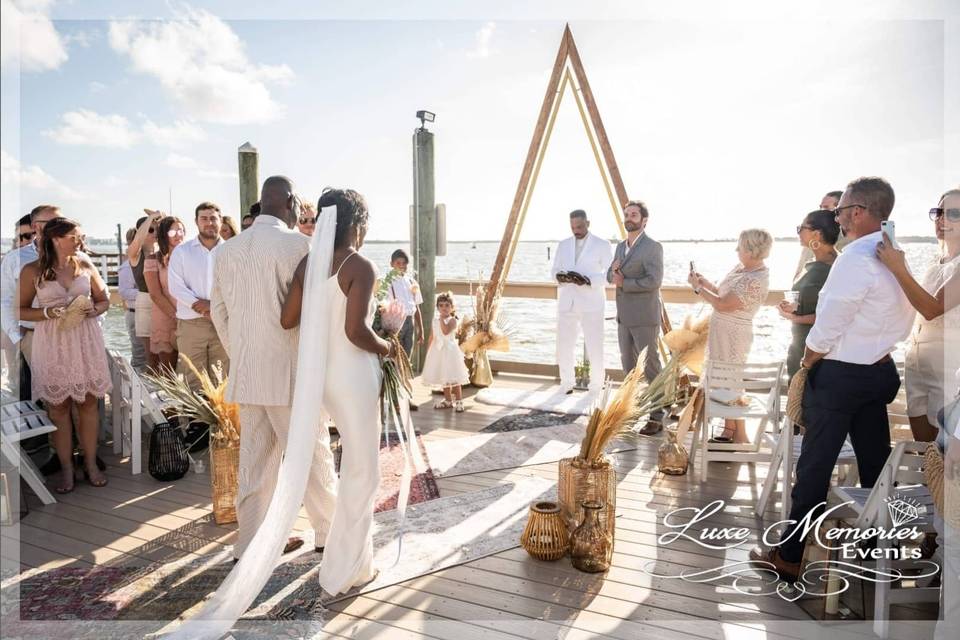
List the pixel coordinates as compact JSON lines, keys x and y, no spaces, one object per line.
{"x":533,"y":321}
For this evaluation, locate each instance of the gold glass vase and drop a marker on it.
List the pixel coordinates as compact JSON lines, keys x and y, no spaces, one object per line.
{"x":581,"y":480}
{"x":672,"y":457}
{"x":545,"y":535}
{"x":480,"y":374}
{"x":591,"y":547}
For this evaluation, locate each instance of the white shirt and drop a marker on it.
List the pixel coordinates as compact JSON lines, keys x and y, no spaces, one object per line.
{"x":13,"y":263}
{"x":862,"y":312}
{"x":407,"y":291}
{"x":189,"y":275}
{"x":126,"y":285}
{"x":579,"y":244}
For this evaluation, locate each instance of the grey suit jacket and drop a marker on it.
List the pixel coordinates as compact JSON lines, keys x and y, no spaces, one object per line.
{"x":638,"y":300}
{"x":252,"y":274}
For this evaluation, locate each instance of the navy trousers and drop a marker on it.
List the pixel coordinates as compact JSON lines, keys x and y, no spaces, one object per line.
{"x":840,"y":399}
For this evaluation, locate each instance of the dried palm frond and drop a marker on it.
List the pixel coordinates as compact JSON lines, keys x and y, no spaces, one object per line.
{"x":209,"y":405}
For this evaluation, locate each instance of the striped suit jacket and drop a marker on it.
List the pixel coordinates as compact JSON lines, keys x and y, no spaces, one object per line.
{"x":252,"y":274}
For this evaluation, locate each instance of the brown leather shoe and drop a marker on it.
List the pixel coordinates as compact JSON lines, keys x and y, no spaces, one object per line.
{"x":788,"y":571}
{"x":652,"y":428}
{"x":292,"y":544}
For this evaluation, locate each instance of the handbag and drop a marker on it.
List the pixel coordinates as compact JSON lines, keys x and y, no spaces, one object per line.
{"x":795,"y":396}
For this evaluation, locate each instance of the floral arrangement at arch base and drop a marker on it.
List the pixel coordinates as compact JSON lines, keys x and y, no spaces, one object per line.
{"x":483,"y":332}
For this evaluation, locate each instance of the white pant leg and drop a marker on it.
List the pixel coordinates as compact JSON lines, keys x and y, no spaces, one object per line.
{"x":592,"y":323}
{"x":320,"y":497}
{"x":348,"y":556}
{"x":257,"y":476}
{"x":568,"y":328}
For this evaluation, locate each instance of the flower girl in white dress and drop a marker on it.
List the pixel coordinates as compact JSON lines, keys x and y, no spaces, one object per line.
{"x":443,"y":366}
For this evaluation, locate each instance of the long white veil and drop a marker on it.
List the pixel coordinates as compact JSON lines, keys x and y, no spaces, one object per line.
{"x":251,"y":573}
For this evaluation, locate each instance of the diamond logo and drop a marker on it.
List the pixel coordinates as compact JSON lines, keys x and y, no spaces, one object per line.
{"x":902,"y":512}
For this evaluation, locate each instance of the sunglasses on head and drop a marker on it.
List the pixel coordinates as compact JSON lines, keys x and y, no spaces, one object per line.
{"x":953,"y":215}
{"x":306,"y":220}
{"x":27,"y":236}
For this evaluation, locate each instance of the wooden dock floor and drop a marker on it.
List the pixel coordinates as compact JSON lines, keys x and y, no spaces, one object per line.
{"x":139,"y":521}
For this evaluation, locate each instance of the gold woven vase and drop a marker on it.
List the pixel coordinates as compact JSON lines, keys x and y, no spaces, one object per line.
{"x":591,"y":547}
{"x":224,"y":465}
{"x":581,"y":481}
{"x":545,"y":536}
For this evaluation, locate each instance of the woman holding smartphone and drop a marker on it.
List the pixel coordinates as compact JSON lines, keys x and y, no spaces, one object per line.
{"x":818,"y":232}
{"x":930,"y":359}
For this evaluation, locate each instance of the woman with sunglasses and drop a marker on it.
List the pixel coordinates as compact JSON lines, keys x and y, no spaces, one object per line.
{"x":163,"y":322}
{"x":928,"y":357}
{"x":69,"y":363}
{"x":819,"y":233}
{"x":144,"y":243}
{"x":307,"y":222}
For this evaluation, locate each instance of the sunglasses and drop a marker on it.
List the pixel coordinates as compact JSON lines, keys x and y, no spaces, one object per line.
{"x":26,"y":236}
{"x":173,"y":233}
{"x":304,"y":220}
{"x":801,"y":227}
{"x":836,"y":212}
{"x":953,"y":215}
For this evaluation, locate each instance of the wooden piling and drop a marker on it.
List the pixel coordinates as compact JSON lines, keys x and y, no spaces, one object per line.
{"x":248,"y":159}
{"x":424,"y":242}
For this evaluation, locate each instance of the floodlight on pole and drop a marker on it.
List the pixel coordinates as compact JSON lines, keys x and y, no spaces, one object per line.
{"x":425,"y":117}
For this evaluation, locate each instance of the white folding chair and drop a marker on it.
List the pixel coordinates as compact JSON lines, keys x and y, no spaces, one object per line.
{"x":758,"y":385}
{"x":901,"y":479}
{"x":22,"y":420}
{"x":132,"y":403}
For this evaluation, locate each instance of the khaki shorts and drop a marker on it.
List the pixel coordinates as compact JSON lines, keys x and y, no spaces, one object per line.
{"x":143,"y":312}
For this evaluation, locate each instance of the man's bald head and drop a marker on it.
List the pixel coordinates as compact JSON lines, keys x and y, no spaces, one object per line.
{"x":277,"y":199}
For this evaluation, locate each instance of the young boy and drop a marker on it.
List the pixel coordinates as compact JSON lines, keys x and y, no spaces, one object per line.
{"x":407,"y":291}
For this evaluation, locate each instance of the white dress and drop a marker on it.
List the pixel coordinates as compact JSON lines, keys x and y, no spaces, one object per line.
{"x":444,"y":365}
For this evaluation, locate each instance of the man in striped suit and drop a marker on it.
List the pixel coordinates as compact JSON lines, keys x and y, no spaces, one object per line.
{"x":252,"y":273}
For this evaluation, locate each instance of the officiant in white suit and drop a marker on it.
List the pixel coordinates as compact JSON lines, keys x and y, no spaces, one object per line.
{"x":580,"y":268}
{"x":251,"y":277}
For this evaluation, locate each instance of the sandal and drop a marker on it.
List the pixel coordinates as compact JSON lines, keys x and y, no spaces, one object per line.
{"x":458,"y":407}
{"x":67,"y":482}
{"x":96,"y":480}
{"x":442,"y":404}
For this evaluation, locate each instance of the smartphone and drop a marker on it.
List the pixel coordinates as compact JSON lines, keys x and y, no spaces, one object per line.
{"x":890,"y":228}
{"x":693,"y":267}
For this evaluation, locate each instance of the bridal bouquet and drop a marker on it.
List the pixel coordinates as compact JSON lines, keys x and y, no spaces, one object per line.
{"x":397,"y":373}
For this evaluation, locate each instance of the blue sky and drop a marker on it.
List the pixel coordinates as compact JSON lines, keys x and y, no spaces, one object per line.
{"x":718,"y":122}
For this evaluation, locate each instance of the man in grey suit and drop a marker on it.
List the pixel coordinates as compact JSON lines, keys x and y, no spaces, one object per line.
{"x":637,"y":273}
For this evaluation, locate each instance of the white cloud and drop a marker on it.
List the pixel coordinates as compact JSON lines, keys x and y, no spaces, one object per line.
{"x":178,"y":161}
{"x":181,"y":133}
{"x":96,"y":87}
{"x":32,"y":177}
{"x":27,"y":35}
{"x":203,"y":65}
{"x":85,"y":127}
{"x":90,"y":128}
{"x":483,"y":37}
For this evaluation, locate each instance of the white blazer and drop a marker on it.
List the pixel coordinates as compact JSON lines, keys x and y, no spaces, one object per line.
{"x":252,"y":274}
{"x":594,"y":261}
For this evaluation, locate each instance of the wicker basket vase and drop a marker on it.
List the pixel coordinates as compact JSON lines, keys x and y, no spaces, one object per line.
{"x":581,"y":481}
{"x":224,"y":465}
{"x":545,"y":536}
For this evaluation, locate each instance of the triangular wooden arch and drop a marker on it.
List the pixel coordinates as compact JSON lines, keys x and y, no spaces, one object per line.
{"x":609,"y":171}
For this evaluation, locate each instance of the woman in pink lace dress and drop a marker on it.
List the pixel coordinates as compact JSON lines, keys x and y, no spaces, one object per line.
{"x":163,"y":322}
{"x":69,"y":363}
{"x":735,"y":302}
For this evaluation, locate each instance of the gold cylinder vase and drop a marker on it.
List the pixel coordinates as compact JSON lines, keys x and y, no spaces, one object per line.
{"x":224,"y":467}
{"x":581,"y":481}
{"x":545,"y":535}
{"x":480,"y":374}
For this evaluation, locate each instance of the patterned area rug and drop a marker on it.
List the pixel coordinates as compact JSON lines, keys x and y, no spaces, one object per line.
{"x":438,"y":534}
{"x":553,"y":400}
{"x":481,"y":452}
{"x":423,"y":487}
{"x":530,"y":419}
